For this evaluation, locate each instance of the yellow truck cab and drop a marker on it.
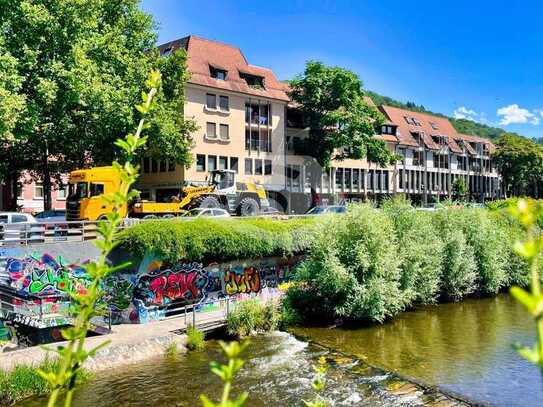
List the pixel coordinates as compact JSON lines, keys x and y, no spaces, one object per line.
{"x":84,"y":201}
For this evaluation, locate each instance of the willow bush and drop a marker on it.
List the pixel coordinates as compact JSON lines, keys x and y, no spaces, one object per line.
{"x":373,"y":263}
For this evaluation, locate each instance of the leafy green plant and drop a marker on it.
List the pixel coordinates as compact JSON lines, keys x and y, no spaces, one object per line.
{"x":24,"y":381}
{"x":86,"y":305}
{"x":319,"y":384}
{"x":217,"y":240}
{"x":195,"y":339}
{"x":171,"y":351}
{"x":530,"y":248}
{"x":251,"y":316}
{"x":226,"y":373}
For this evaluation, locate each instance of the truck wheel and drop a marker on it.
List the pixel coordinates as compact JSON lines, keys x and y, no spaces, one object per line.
{"x":150,"y":217}
{"x":206,"y":202}
{"x":248,"y":207}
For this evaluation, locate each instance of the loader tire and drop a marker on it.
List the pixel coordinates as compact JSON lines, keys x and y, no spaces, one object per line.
{"x":248,"y":207}
{"x":206,"y":202}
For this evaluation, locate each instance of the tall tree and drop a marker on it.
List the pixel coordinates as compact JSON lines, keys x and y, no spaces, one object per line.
{"x":82,"y":63}
{"x":520,"y":163}
{"x":341,"y":124}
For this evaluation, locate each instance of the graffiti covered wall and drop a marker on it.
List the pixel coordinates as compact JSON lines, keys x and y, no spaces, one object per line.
{"x":154,"y":288}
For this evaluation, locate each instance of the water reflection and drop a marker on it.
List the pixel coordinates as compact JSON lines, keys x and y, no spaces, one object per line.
{"x":465,"y":347}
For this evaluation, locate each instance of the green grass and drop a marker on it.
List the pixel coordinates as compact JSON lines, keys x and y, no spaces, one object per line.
{"x":195,"y":339}
{"x":24,"y":381}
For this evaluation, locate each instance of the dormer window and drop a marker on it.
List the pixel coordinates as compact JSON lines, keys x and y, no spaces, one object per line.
{"x":253,"y":81}
{"x":434,"y":126}
{"x":387,"y":129}
{"x":217,"y":73}
{"x":413,"y":121}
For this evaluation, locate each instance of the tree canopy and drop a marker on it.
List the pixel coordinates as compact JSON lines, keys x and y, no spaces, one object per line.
{"x":75,"y":70}
{"x":520,"y":163}
{"x":341,"y":123}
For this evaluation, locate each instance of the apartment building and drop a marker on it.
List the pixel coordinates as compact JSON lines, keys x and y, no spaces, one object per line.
{"x":433,"y":155}
{"x":240,"y":112}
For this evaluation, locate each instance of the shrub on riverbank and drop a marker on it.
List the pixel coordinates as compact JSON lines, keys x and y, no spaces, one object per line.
{"x":24,"y":381}
{"x":252,"y":316}
{"x":195,"y":339}
{"x":371,"y":264}
{"x":217,"y":239}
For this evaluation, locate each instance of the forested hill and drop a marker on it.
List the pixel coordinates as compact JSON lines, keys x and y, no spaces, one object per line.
{"x":461,"y":125}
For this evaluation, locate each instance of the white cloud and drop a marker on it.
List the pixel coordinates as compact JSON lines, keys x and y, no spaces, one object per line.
{"x":464,"y":113}
{"x":514,"y":114}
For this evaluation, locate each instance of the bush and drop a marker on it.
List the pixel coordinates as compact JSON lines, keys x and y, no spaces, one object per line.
{"x":420,"y":249}
{"x":24,"y":381}
{"x":195,"y":339}
{"x":217,"y":239}
{"x":371,"y":264}
{"x":353,"y":271}
{"x":252,"y":316}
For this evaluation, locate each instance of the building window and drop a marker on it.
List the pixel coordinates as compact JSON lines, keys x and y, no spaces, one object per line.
{"x":154,"y":165}
{"x":224,"y":103}
{"x":267,"y":167}
{"x":211,"y":130}
{"x":248,"y":166}
{"x":211,"y":163}
{"x":339,"y":178}
{"x":234,"y":164}
{"x":254,"y":81}
{"x":162,"y":166}
{"x":171,"y":165}
{"x":224,"y":132}
{"x":386,"y":129}
{"x":434,"y":126}
{"x":211,"y":101}
{"x":258,"y":167}
{"x":38,"y":190}
{"x":217,"y":73}
{"x":223,"y":163}
{"x":200,"y":163}
{"x":166,"y":51}
{"x":61,"y":191}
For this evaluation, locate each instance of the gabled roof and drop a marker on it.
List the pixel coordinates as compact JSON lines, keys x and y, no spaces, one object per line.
{"x":203,"y":54}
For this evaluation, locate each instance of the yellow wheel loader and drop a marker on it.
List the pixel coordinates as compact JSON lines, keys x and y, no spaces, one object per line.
{"x":86,"y":187}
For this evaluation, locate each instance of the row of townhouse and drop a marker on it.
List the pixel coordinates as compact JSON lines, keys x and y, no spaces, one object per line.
{"x":247,"y":124}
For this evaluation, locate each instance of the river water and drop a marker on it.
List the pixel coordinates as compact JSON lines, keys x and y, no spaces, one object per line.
{"x":464,"y":347}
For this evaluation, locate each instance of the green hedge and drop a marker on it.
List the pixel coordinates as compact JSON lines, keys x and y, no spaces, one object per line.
{"x":218,"y":239}
{"x":373,"y":263}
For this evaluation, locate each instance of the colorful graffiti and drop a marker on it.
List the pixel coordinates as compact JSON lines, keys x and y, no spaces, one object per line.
{"x":184,"y":282}
{"x":241,"y":280}
{"x":45,"y":275}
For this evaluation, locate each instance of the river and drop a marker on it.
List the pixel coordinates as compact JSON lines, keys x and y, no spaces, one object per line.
{"x":464,"y":347}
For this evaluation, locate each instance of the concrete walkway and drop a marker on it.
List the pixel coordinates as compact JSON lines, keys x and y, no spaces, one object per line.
{"x":128,"y":343}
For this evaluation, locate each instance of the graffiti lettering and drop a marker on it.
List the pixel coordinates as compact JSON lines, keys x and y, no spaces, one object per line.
{"x":185,"y":283}
{"x":245,"y":282}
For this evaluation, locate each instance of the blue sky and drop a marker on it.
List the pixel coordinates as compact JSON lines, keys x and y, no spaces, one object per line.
{"x":480,"y":59}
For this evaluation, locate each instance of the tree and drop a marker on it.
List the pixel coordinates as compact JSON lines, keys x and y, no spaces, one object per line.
{"x":81,"y":64}
{"x":459,"y":188}
{"x":341,"y":124}
{"x":520,"y":163}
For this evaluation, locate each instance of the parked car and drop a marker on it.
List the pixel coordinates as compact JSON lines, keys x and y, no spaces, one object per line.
{"x":212,"y":212}
{"x":20,"y":227}
{"x":53,"y":215}
{"x":323,"y":210}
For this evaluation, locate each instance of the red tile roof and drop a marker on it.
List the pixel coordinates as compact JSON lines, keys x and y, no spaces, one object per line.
{"x":454,"y":140}
{"x":203,"y":54}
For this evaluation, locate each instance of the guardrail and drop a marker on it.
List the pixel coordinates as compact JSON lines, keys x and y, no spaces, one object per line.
{"x":78,"y":231}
